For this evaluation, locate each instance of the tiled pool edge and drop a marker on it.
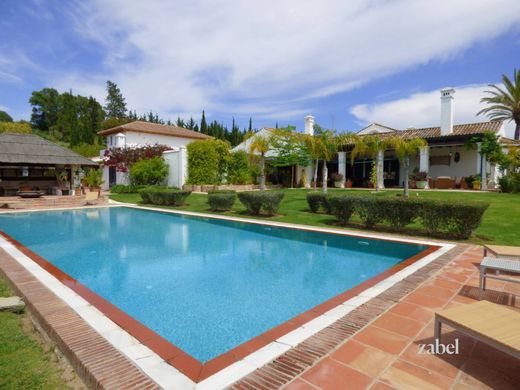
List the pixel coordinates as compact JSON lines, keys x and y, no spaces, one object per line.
{"x":292,"y":364}
{"x":283,"y":344}
{"x":95,"y":360}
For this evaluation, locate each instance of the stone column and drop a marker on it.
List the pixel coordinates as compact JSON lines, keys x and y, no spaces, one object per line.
{"x":342,"y":165}
{"x":424,"y":162}
{"x":380,"y":169}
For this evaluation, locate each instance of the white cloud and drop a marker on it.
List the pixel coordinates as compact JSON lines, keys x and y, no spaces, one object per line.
{"x":424,"y":109}
{"x":273,"y":56}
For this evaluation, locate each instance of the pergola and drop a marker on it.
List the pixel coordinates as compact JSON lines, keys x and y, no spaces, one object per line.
{"x":27,"y":160}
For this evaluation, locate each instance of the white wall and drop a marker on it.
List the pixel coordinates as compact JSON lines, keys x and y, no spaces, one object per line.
{"x":466,"y":166}
{"x":177,"y":166}
{"x":140,"y":139}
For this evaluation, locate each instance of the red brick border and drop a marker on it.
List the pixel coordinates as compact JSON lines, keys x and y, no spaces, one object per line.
{"x":181,"y":360}
{"x":95,"y":360}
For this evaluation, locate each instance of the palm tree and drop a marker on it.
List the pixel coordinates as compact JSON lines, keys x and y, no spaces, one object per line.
{"x":504,"y":102}
{"x":372,"y":146}
{"x":313,"y":146}
{"x":404,"y":150}
{"x":261,"y":144}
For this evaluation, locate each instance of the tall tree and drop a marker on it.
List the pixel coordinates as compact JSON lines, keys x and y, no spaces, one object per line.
{"x":372,"y":146}
{"x":203,"y":124}
{"x":191,"y":123}
{"x":250,"y":128}
{"x":234,"y":136}
{"x":260,"y":144}
{"x":67,"y":126}
{"x":504,"y":103}
{"x":115,"y":105}
{"x":5,"y":117}
{"x":404,"y":150}
{"x":290,"y":149}
{"x":44,"y":104}
{"x":179,"y":122}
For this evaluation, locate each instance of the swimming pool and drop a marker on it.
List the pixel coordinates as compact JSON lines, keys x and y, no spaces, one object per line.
{"x":205,"y":285}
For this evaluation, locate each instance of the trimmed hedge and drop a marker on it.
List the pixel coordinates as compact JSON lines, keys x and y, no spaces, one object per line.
{"x":451,"y":219}
{"x":317,"y":200}
{"x":342,"y":207}
{"x":164,"y":196}
{"x":457,"y":219}
{"x":124,"y":189}
{"x":221,"y":200}
{"x":257,"y":201}
{"x":369,"y":209}
{"x":399,"y":212}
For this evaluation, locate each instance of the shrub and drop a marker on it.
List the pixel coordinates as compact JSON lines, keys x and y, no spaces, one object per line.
{"x":125,"y":189}
{"x":221,"y":200}
{"x":207,"y":161}
{"x":164,"y":196}
{"x":94,"y":178}
{"x":457,"y":219}
{"x":149,"y":172}
{"x":369,"y":209}
{"x":342,"y":207}
{"x":238,"y":169}
{"x":399,"y":212}
{"x":257,"y":201}
{"x":316,"y":200}
{"x":510,"y":182}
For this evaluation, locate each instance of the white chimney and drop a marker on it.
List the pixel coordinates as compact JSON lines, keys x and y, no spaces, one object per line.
{"x":309,"y":124}
{"x":447,"y":111}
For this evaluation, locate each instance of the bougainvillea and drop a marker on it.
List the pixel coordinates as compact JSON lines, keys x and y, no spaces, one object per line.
{"x":123,"y":158}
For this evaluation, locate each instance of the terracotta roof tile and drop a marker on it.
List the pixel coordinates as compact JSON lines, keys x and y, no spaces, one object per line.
{"x":155,"y":128}
{"x":458,"y":130}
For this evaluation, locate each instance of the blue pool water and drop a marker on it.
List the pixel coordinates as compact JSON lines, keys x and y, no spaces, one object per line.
{"x":206,"y":285}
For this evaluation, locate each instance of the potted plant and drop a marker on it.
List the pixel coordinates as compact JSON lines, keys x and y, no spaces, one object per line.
{"x":77,"y":190}
{"x":421,"y":180}
{"x":348,"y":183}
{"x":338,"y":179}
{"x":477,"y":182}
{"x":94,"y":179}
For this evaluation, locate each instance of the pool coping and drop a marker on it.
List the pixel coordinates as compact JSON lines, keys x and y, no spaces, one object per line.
{"x":234,"y":364}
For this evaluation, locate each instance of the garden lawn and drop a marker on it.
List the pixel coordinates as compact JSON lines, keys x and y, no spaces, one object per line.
{"x":23,"y":362}
{"x":500,"y":225}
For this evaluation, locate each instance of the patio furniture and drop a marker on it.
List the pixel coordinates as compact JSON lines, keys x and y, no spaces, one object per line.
{"x":91,"y":198}
{"x":487,"y":322}
{"x":498,"y":264}
{"x":502,"y":251}
{"x":444,"y":182}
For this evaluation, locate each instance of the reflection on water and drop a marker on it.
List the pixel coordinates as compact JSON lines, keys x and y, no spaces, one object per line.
{"x":204,"y":284}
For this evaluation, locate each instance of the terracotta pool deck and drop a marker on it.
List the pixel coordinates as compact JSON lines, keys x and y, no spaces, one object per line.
{"x":385,"y":353}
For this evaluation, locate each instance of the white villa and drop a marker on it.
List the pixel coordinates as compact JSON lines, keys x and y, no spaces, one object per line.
{"x":139,"y":133}
{"x":446,"y":159}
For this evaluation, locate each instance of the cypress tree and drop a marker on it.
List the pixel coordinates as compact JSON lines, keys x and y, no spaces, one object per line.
{"x":115,"y":105}
{"x":203,"y":124}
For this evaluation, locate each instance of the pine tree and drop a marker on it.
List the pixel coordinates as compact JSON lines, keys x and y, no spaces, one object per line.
{"x":179,"y":122}
{"x":203,"y":124}
{"x":190,"y":124}
{"x":115,"y":105}
{"x":250,"y":129}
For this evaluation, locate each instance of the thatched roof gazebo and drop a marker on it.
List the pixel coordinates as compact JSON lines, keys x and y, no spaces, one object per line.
{"x":27,"y":160}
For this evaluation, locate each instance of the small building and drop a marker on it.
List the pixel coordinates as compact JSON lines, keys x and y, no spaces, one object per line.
{"x":140,"y":133}
{"x":30,"y":161}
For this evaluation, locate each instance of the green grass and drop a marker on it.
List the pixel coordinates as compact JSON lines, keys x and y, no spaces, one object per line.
{"x":501,"y":223}
{"x":23,"y":362}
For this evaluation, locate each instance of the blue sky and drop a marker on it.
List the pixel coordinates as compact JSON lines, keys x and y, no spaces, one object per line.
{"x":346,"y":63}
